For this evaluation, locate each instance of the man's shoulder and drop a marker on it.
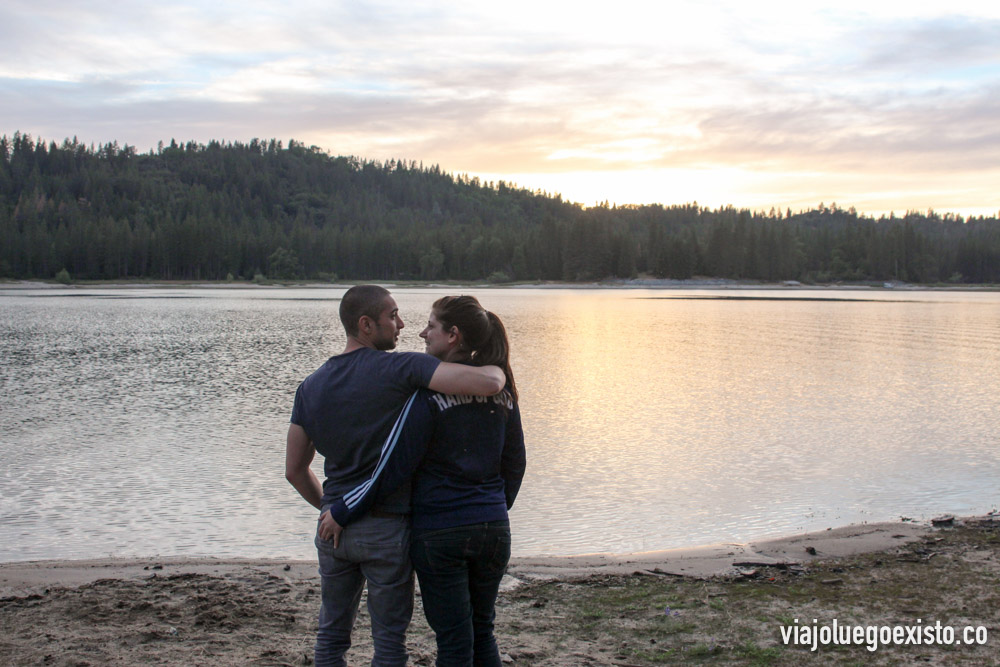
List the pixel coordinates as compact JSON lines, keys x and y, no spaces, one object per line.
{"x":379,"y":358}
{"x":366,"y":367}
{"x":366,"y":356}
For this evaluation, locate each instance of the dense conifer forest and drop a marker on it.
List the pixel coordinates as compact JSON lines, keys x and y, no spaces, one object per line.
{"x":268,"y":211}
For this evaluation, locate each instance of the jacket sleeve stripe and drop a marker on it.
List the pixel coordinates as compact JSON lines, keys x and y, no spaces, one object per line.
{"x":353,"y":497}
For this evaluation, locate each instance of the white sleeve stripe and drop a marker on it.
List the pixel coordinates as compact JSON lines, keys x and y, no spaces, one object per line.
{"x":354,"y":496}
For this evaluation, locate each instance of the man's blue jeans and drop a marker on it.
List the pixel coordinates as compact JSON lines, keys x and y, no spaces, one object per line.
{"x":460,"y":571}
{"x":373,"y":549}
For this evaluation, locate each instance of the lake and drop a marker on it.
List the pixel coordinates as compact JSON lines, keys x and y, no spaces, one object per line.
{"x":151,"y":421}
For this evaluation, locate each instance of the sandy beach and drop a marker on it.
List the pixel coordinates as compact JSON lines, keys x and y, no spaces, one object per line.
{"x":262,"y":612}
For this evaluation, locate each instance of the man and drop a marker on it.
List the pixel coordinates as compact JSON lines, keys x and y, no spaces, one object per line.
{"x":345,"y":410}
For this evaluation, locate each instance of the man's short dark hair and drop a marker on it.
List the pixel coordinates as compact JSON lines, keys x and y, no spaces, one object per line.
{"x":358,"y":301}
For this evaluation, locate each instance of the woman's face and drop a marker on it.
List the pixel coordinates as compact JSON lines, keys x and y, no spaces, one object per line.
{"x":438,"y":342}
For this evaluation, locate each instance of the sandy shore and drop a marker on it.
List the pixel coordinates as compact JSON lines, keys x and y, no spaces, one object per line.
{"x":234,"y":612}
{"x":34,"y":577}
{"x":722,"y":559}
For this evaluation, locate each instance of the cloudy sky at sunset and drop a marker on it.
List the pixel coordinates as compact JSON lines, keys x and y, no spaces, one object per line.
{"x":881,"y":105}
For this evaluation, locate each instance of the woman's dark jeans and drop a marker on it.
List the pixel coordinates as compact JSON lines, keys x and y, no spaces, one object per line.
{"x":459,"y":570}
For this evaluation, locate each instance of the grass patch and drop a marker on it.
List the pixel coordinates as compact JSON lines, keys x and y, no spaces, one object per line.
{"x":642,"y":619}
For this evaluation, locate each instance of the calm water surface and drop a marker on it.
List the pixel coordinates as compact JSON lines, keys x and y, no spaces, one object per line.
{"x":151,"y":421}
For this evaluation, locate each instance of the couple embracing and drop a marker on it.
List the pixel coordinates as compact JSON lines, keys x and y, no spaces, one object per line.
{"x":423,"y":456}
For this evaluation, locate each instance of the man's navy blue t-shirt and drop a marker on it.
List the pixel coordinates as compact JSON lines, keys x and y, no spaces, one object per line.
{"x":347,"y":408}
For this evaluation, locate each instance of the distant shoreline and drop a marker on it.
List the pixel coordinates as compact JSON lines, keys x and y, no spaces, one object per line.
{"x":636,"y":283}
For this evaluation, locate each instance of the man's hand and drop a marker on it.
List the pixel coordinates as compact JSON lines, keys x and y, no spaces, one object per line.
{"x":329,"y":529}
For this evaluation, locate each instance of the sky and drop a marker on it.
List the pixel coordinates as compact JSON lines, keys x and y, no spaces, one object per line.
{"x":880,"y":105}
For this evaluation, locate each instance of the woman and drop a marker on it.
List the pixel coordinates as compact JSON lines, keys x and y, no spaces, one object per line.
{"x":466,"y":457}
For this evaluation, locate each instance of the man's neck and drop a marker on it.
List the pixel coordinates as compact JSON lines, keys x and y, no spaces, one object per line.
{"x":354,"y":343}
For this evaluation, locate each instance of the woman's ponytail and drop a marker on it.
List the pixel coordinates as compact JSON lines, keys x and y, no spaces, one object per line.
{"x":496,"y":351}
{"x":484,"y":337}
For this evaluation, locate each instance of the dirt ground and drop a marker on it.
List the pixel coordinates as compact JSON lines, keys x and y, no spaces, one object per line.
{"x":555,"y":612}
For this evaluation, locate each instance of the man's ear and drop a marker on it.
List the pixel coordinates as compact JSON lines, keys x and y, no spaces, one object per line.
{"x":365,"y":324}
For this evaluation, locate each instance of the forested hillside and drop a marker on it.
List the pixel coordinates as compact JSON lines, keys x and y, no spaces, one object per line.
{"x":242,"y":210}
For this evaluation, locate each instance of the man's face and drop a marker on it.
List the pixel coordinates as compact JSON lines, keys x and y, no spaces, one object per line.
{"x":388,"y":325}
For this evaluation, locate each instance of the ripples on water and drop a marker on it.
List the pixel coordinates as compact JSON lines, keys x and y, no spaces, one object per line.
{"x":143,"y":421}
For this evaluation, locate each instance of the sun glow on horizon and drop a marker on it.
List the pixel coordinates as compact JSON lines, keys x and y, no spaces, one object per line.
{"x":718,"y":188}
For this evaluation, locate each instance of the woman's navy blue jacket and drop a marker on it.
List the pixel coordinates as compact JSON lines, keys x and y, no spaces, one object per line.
{"x":465,"y":455}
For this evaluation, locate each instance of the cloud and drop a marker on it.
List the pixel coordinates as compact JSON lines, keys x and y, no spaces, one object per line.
{"x":520,"y":87}
{"x":940,"y":44}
